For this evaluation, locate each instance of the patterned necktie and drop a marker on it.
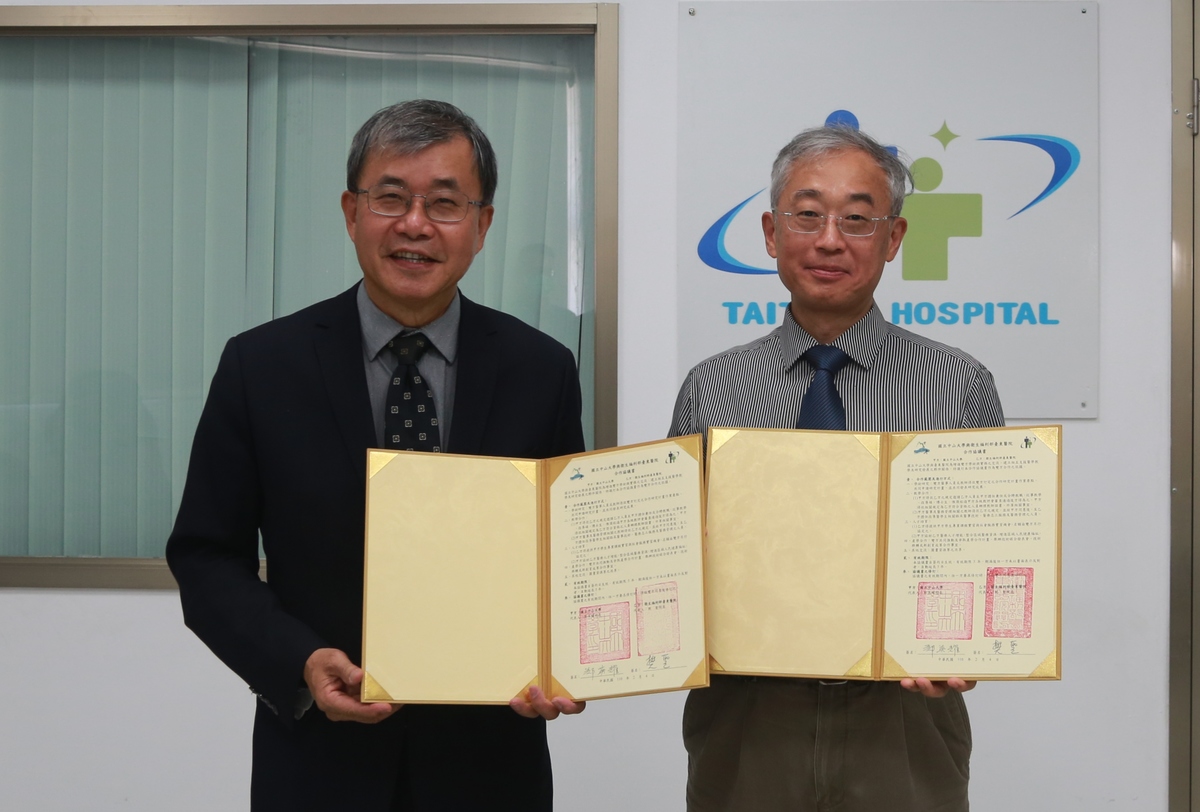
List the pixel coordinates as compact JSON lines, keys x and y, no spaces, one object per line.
{"x":410,"y":419}
{"x":821,"y":407}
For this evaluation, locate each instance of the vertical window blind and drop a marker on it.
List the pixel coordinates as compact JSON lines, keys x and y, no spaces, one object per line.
{"x":162,"y":194}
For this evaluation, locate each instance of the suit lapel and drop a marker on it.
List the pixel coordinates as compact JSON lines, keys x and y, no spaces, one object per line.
{"x":338,"y":342}
{"x":475,"y":385}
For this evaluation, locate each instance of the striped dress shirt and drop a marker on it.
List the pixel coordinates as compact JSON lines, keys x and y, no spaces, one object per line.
{"x":896,"y":381}
{"x":773,"y":744}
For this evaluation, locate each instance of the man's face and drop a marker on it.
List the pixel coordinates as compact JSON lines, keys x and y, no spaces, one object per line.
{"x":832,"y":277}
{"x":411,"y":265}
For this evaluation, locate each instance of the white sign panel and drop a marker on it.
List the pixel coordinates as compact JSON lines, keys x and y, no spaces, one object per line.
{"x":994,"y":104}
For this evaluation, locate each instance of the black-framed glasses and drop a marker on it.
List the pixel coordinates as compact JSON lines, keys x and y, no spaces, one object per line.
{"x":441,"y":205}
{"x":852,"y":225}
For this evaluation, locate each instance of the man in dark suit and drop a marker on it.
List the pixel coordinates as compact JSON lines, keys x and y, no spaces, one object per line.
{"x":280,"y":451}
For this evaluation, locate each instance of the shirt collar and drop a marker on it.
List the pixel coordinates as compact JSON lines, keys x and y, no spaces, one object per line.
{"x":378,"y":328}
{"x":861,"y":342}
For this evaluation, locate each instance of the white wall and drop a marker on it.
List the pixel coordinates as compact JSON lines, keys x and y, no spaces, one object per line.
{"x":111,"y":704}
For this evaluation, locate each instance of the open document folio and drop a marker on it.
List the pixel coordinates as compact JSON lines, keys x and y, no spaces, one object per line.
{"x":850,"y":555}
{"x":582,"y":575}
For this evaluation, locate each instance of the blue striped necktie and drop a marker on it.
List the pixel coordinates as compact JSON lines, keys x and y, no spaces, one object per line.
{"x":821,"y":407}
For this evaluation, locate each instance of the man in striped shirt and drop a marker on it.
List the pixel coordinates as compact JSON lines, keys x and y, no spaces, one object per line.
{"x":766,"y":744}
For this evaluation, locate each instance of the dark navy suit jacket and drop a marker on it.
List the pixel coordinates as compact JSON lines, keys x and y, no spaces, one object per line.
{"x":281,"y":449}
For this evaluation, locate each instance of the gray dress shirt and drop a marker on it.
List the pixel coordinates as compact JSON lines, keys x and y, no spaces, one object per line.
{"x":895,"y":381}
{"x":437,"y":365}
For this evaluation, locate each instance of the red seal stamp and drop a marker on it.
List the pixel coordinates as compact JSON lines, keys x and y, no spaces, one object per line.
{"x":945,"y":610}
{"x":1008,"y":610}
{"x":658,"y":618}
{"x":604,"y":633}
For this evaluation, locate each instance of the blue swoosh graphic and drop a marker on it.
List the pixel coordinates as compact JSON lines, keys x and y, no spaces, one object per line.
{"x":712,"y":245}
{"x":1064,"y":154}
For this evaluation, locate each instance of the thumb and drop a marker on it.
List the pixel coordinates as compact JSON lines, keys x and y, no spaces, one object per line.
{"x":352,"y":675}
{"x":331,"y":664}
{"x":346,"y":671}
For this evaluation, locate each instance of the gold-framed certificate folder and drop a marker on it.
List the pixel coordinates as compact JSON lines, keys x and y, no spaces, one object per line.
{"x":583,"y":575}
{"x":866,"y":555}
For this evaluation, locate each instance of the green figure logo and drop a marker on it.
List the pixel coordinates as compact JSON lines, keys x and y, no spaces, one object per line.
{"x":932,"y":220}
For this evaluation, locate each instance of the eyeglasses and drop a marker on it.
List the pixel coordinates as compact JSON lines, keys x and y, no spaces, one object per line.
{"x":852,"y":225}
{"x":441,"y":205}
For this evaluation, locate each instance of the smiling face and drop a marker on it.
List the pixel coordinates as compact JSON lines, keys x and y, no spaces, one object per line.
{"x":832,"y":277}
{"x":411,"y":265}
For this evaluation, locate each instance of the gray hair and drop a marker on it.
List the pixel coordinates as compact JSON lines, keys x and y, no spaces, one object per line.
{"x":820,"y":141}
{"x":410,"y":127}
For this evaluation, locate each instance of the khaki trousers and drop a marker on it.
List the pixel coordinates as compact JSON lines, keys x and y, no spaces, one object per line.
{"x":767,"y":744}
